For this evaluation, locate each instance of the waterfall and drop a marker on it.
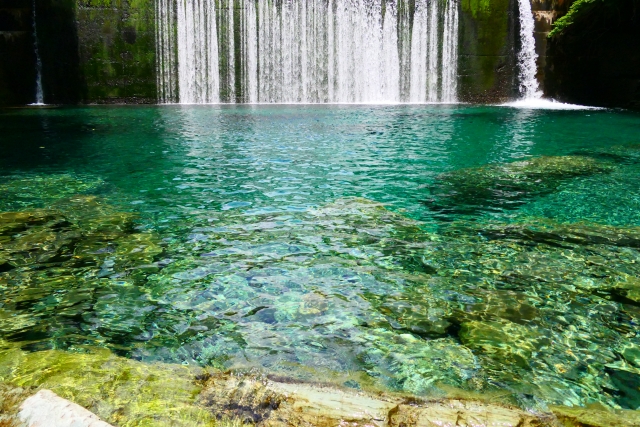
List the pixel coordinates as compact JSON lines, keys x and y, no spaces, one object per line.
{"x":187,"y":52}
{"x":527,"y":57}
{"x":307,"y":51}
{"x":39,"y":94}
{"x":450,"y":53}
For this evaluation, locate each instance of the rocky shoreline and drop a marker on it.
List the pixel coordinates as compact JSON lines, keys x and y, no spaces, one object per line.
{"x":236,"y":400}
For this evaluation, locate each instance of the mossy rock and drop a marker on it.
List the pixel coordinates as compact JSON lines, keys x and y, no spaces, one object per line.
{"x":504,"y":342}
{"x":124,"y":392}
{"x":507,"y":185}
{"x":538,"y":230}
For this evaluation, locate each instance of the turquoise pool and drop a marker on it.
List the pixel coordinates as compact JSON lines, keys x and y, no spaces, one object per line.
{"x":408,"y":248}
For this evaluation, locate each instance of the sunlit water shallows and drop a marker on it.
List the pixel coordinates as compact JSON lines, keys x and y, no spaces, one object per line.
{"x":412,"y":248}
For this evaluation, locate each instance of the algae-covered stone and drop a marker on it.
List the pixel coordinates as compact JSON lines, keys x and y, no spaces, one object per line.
{"x":120,"y":391}
{"x":538,"y":230}
{"x":39,"y":190}
{"x":10,"y":399}
{"x":507,"y":185}
{"x":505,"y":342}
{"x":55,"y":265}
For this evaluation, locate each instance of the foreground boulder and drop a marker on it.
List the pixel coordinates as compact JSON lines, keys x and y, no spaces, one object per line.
{"x":47,"y":409}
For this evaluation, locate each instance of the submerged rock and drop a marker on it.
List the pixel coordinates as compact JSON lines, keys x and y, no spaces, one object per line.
{"x":507,"y":185}
{"x":505,"y":342}
{"x":537,"y":230}
{"x":42,"y":190}
{"x":58,"y":263}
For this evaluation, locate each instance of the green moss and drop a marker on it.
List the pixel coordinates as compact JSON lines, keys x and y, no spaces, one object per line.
{"x":119,"y":60}
{"x":486,"y":30}
{"x":121,"y":391}
{"x":578,"y":8}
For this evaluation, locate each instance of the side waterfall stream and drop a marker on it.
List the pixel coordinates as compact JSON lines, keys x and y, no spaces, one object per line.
{"x":39,"y":94}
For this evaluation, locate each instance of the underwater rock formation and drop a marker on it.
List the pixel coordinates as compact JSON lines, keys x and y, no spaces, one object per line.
{"x":68,"y":261}
{"x":507,"y":185}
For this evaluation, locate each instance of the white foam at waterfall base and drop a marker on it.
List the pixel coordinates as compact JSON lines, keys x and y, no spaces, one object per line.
{"x":546,"y":104}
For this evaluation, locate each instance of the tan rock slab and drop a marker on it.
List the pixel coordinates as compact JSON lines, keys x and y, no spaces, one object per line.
{"x":272,"y":403}
{"x":47,"y":409}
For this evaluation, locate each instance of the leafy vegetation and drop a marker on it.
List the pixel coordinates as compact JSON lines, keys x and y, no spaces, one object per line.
{"x":581,"y":10}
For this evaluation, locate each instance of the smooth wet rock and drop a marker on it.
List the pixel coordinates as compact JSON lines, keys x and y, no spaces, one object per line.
{"x":277,"y":403}
{"x":47,"y":409}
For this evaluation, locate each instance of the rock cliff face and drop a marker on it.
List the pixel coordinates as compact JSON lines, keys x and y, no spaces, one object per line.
{"x":488,"y":38}
{"x":17,"y":58}
{"x":596,"y":59}
{"x":92,"y":51}
{"x":546,"y":13}
{"x":103,"y":51}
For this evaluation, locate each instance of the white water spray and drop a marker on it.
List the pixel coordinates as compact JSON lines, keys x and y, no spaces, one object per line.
{"x":39,"y":94}
{"x":307,"y":51}
{"x":527,"y":57}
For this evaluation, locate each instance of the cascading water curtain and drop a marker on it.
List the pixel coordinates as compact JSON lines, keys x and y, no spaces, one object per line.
{"x":187,"y":52}
{"x":307,"y":51}
{"x":527,"y":57}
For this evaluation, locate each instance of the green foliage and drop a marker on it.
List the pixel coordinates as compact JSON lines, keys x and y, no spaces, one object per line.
{"x":596,"y":16}
{"x":578,"y":8}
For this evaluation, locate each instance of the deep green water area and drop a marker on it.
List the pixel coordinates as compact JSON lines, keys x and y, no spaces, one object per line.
{"x":409,"y":248}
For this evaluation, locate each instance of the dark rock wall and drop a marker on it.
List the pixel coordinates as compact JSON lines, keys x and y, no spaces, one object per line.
{"x":17,"y":55}
{"x":545,"y":13}
{"x":487,"y":50}
{"x":116,"y":40}
{"x":92,"y":51}
{"x":596,"y":60}
{"x":58,"y":47}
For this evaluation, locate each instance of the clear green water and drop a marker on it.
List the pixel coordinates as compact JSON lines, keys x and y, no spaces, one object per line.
{"x":256,"y":237}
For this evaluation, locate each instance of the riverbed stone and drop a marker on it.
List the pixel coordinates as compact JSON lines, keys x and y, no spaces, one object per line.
{"x":506,"y":342}
{"x":507,"y":185}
